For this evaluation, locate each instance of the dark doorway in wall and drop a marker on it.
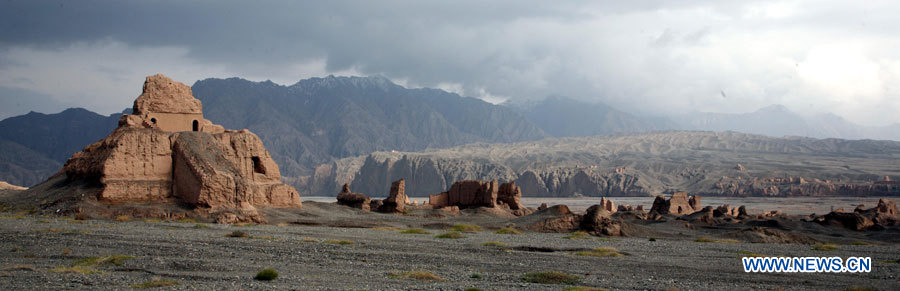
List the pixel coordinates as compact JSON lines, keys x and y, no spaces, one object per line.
{"x":153,"y":120}
{"x":196,"y":126}
{"x":258,"y":166}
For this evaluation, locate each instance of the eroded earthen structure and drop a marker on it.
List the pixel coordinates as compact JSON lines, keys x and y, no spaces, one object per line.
{"x":166,"y":149}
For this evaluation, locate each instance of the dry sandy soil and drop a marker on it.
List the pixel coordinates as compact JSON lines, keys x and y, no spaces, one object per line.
{"x":307,"y":255}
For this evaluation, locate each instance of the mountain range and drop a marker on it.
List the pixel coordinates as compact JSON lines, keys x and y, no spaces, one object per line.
{"x":312,"y":125}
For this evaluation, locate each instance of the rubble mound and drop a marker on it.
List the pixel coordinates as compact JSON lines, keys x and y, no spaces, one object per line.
{"x":355,"y":200}
{"x":883,"y":214}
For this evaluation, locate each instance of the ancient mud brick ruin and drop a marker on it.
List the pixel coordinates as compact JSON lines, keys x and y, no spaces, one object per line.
{"x":475,"y":193}
{"x":678,"y":204}
{"x":166,"y":149}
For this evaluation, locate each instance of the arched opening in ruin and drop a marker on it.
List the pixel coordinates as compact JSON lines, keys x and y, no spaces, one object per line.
{"x":258,"y":166}
{"x":679,"y":209}
{"x":153,"y":120}
{"x":196,"y":125}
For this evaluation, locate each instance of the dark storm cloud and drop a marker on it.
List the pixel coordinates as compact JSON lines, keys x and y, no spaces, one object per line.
{"x":640,"y":55}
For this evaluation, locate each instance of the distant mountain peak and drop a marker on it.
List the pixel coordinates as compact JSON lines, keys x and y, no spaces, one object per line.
{"x":774,"y":108}
{"x":362,"y":82}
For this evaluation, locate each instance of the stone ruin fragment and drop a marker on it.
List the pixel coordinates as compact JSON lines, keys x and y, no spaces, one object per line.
{"x":166,"y":150}
{"x":678,"y":204}
{"x":396,"y":201}
{"x":475,"y":193}
{"x":883,"y":214}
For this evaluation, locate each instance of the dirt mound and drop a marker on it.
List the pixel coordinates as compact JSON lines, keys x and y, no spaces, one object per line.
{"x":758,"y":234}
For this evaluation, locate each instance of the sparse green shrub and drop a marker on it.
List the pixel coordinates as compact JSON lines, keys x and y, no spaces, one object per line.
{"x":339,"y":242}
{"x":117,"y":260}
{"x":857,"y":288}
{"x":415,"y":231}
{"x":465,"y":228}
{"x":475,"y":276}
{"x":897,"y":261}
{"x":578,"y":235}
{"x":153,"y":220}
{"x":452,"y":235}
{"x":267,"y":274}
{"x":123,"y":218}
{"x":473,"y":289}
{"x":551,"y":278}
{"x":416,"y":275}
{"x":507,"y":230}
{"x":309,"y":239}
{"x":154,"y":284}
{"x":601,"y":252}
{"x":583,"y":288}
{"x":237,"y":233}
{"x":493,"y":244}
{"x":201,"y":226}
{"x":862,"y":243}
{"x":825,"y":247}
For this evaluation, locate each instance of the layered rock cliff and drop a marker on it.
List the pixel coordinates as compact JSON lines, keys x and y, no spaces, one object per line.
{"x":707,"y":163}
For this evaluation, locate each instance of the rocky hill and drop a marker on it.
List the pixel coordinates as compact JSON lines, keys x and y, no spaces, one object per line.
{"x":707,"y":163}
{"x":35,"y":145}
{"x":320,"y":119}
{"x":565,"y":117}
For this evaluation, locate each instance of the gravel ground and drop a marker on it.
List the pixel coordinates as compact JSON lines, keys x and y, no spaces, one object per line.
{"x":204,"y":258}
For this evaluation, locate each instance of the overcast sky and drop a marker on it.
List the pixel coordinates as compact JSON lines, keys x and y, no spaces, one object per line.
{"x":648,"y":56}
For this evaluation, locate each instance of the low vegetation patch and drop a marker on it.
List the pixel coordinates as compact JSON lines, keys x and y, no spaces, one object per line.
{"x":494,"y":244}
{"x":415,"y":231}
{"x":123,"y":218}
{"x":473,"y":289}
{"x":154,"y":220}
{"x":452,"y":235}
{"x":897,"y":261}
{"x":465,"y":228}
{"x":709,"y":240}
{"x":154,"y":284}
{"x":825,"y":247}
{"x":578,"y":235}
{"x":601,"y":252}
{"x":309,"y":239}
{"x":187,"y":220}
{"x":862,"y":243}
{"x":475,"y":276}
{"x":583,"y":288}
{"x":117,"y":260}
{"x":750,"y":254}
{"x":267,"y":274}
{"x":415,"y":275}
{"x":508,"y":230}
{"x":66,"y":251}
{"x":387,"y":228}
{"x":856,"y":288}
{"x":551,"y":278}
{"x":201,"y":226}
{"x":339,"y":242}
{"x":237,"y":233}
